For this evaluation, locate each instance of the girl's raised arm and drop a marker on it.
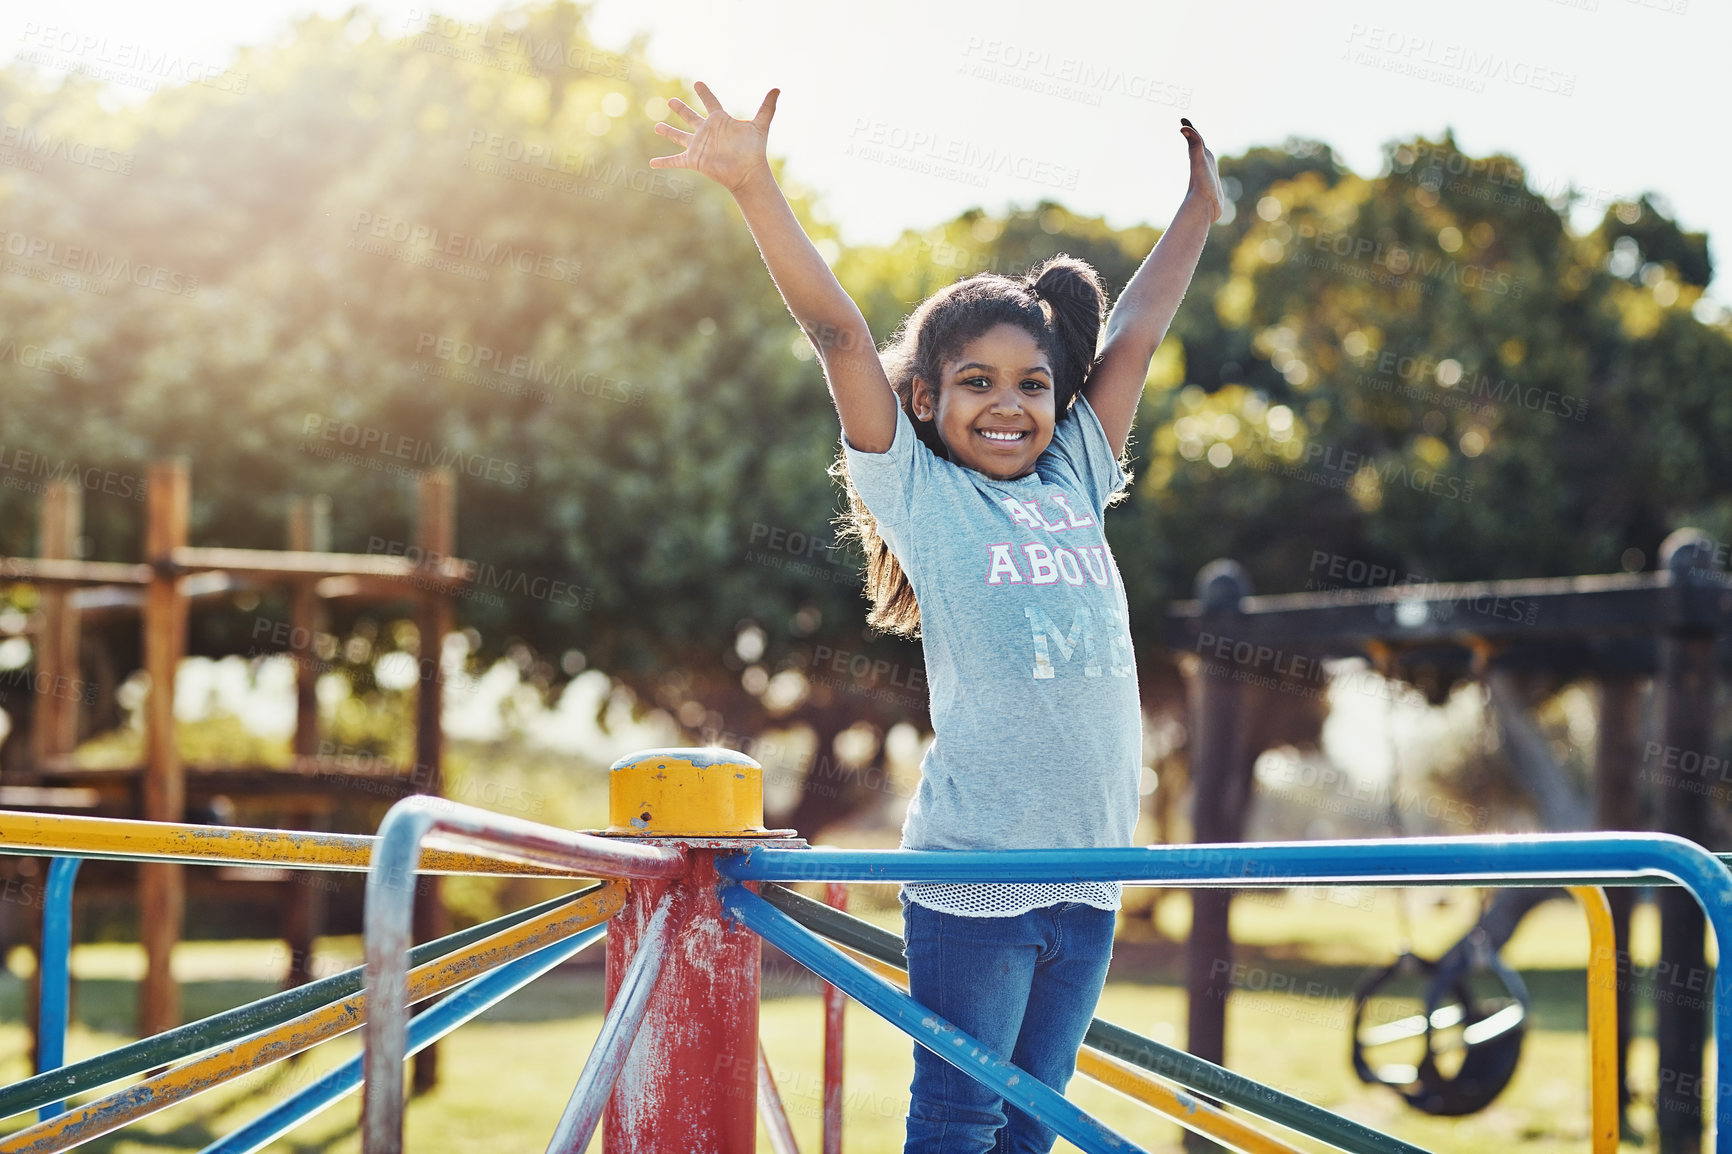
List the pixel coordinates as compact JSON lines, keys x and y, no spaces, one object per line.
{"x":731,"y":152}
{"x":1145,"y":309}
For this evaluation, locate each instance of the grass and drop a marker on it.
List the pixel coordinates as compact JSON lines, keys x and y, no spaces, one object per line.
{"x":506,"y":1076}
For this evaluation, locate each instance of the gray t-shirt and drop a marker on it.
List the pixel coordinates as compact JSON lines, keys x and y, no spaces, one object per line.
{"x":1032,"y":680}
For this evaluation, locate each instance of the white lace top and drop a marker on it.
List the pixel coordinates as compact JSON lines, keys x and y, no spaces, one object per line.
{"x":1008,"y":899}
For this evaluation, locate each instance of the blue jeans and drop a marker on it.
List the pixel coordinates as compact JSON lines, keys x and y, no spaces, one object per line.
{"x":1024,"y":987}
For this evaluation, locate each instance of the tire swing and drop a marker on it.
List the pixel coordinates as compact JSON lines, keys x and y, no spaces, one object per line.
{"x":1486,"y":1031}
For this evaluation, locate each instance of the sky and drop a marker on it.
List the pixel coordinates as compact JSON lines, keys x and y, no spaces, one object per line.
{"x":886,"y":110}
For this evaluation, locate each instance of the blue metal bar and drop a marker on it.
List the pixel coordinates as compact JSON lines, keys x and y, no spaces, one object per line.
{"x":1186,"y":1071}
{"x":54,"y":999}
{"x":1029,"y":1094}
{"x":456,"y":1008}
{"x":618,"y":1031}
{"x":1523,"y":860}
{"x":1537,"y":858}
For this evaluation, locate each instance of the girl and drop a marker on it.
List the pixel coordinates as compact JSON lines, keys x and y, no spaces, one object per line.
{"x":980,"y":450}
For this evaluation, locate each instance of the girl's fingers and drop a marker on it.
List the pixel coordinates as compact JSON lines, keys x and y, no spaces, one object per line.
{"x":708,"y":97}
{"x":685,"y":110}
{"x":766,"y":110}
{"x":678,"y":159}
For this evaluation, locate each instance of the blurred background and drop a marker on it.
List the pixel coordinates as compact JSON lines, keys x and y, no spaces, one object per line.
{"x":315,"y":249}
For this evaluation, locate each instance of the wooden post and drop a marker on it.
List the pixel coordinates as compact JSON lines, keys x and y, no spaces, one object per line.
{"x":1221,"y":785}
{"x":56,"y":689}
{"x":162,"y":887}
{"x":1685,"y":692}
{"x":303,"y":903}
{"x":54,"y":727}
{"x":1617,"y":807}
{"x":309,"y":530}
{"x":436,"y":534}
{"x":32,"y":871}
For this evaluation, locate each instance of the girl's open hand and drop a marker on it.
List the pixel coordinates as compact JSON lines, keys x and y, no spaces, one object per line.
{"x":728,"y":151}
{"x":1205,"y":180}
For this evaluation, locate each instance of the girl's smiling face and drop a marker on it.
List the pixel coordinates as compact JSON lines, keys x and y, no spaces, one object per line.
{"x":994,"y":408}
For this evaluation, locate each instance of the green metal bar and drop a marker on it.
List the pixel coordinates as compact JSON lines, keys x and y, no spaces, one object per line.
{"x":1127,"y":1046}
{"x":230,"y":1025}
{"x":427,"y":1027}
{"x":832,"y":923}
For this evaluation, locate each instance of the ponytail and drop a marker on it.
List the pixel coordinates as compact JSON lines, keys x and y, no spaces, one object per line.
{"x":1076,"y":299}
{"x":1061,"y":303}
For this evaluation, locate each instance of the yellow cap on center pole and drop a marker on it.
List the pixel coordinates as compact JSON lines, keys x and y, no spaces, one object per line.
{"x":699,"y":1034}
{"x":704,"y":792}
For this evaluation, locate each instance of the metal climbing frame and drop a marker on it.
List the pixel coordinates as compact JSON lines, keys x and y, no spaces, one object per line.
{"x":693,"y":892}
{"x":672,"y":813}
{"x":481,"y":964}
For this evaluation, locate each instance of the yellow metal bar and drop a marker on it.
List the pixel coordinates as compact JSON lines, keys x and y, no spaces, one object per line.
{"x":1187,"y":1110}
{"x":108,"y":1114}
{"x":114,"y":838}
{"x":1602,"y":1018}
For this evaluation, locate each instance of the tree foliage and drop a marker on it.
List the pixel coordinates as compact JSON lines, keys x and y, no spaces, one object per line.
{"x":454,"y":250}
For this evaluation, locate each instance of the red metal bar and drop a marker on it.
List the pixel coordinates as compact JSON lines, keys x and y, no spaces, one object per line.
{"x":770,"y":1108}
{"x":691,"y":1082}
{"x":513,"y":839}
{"x":835,"y":1003}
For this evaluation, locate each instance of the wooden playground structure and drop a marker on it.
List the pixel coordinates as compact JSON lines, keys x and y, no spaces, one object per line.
{"x":173,"y":577}
{"x":1672,"y":625}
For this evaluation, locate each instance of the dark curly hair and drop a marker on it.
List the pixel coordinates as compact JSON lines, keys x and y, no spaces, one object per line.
{"x":1061,"y":303}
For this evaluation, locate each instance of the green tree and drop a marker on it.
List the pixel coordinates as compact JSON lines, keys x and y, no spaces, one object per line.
{"x":455,"y":249}
{"x":362,"y":222}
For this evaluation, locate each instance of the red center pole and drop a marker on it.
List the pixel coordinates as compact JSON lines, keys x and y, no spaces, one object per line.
{"x":835,"y":1003}
{"x":690,"y":1083}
